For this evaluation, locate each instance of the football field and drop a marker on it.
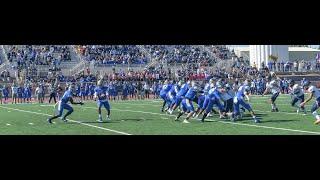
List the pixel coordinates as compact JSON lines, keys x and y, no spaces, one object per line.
{"x":143,"y":117}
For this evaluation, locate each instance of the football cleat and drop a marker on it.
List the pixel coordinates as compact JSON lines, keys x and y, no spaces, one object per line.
{"x":194,"y":115}
{"x":232,"y":117}
{"x":317,"y":121}
{"x":100,"y":120}
{"x":185,"y":121}
{"x":49,"y":121}
{"x":64,"y":119}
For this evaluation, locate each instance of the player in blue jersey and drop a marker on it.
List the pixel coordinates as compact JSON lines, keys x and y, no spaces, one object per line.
{"x":172,"y":95}
{"x":186,"y":104}
{"x":5,"y":92}
{"x":20,"y":94}
{"x":63,"y":104}
{"x":238,"y":100}
{"x":1,"y":93}
{"x":27,"y":94}
{"x":82,"y":93}
{"x":86,"y":89}
{"x":101,"y":96}
{"x":125,"y":90}
{"x":202,"y":97}
{"x":163,"y":94}
{"x":212,"y":98}
{"x":78,"y":90}
{"x":91,"y":91}
{"x":180,"y":95}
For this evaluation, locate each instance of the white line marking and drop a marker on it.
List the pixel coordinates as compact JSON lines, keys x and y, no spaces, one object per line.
{"x":47,"y":105}
{"x":140,"y":104}
{"x":164,"y":118}
{"x":9,"y":111}
{"x":30,"y":123}
{"x":106,"y":129}
{"x":8,"y":124}
{"x":226,"y":122}
{"x":281,"y":113}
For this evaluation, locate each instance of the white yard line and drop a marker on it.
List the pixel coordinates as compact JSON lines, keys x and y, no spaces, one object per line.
{"x":281,"y":113}
{"x":85,"y":124}
{"x":225,"y":122}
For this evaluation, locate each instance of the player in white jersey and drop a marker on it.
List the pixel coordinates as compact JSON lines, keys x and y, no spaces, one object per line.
{"x":297,"y":95}
{"x":227,"y":97}
{"x":14,"y":93}
{"x":273,"y":87}
{"x":38,"y":94}
{"x":314,"y":92}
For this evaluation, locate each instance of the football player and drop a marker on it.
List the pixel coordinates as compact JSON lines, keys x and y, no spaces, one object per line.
{"x":172,"y":95}
{"x":180,"y":95}
{"x":211,"y":99}
{"x":14,"y":92}
{"x":186,"y":104}
{"x":238,"y":100}
{"x":313,"y":92}
{"x":63,"y":104}
{"x":1,"y":93}
{"x":164,"y":94}
{"x":297,"y":95}
{"x":101,"y":96}
{"x":273,"y":87}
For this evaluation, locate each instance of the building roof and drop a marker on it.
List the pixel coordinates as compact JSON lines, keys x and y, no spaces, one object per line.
{"x":303,"y":49}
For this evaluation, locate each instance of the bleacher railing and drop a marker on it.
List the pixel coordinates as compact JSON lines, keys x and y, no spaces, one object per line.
{"x":5,"y":64}
{"x":80,"y":66}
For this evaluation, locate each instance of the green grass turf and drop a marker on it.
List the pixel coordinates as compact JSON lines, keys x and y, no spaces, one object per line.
{"x":144,"y":117}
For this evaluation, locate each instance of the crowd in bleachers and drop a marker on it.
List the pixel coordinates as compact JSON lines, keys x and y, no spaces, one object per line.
{"x":184,"y":61}
{"x":24,"y":56}
{"x":220,"y":52}
{"x":112,"y":54}
{"x":178,"y":53}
